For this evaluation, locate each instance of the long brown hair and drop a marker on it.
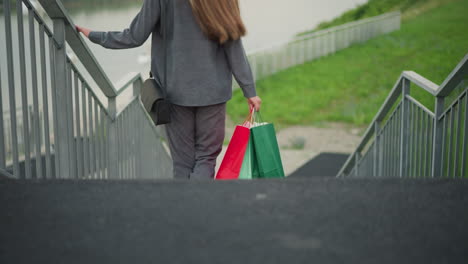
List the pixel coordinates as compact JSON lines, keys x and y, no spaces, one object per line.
{"x":219,"y":20}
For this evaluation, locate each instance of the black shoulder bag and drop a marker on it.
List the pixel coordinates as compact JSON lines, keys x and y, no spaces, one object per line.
{"x":153,"y":93}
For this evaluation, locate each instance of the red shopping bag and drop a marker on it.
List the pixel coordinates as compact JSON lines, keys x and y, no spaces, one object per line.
{"x":232,"y":161}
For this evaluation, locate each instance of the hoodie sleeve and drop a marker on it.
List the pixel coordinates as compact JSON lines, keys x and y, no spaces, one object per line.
{"x":136,"y":34}
{"x":240,"y":67}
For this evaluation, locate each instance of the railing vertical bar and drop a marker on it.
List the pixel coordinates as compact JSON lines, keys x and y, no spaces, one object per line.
{"x":137,"y":146}
{"x":45,"y":101}
{"x":71,"y":126}
{"x":398,"y":140}
{"x":421,"y":142}
{"x":416,"y":141}
{"x":2,"y":134}
{"x":127,"y":140}
{"x":132,"y":135}
{"x":449,"y":158}
{"x":393,"y":143}
{"x":119,"y":146}
{"x":404,"y":129}
{"x":90,"y":137}
{"x":390,"y":145}
{"x":376,"y":149}
{"x":125,"y":143}
{"x":79,"y":137}
{"x":427,"y":144}
{"x":53,"y":51}
{"x":135,"y":137}
{"x":11,"y":85}
{"x":465,"y":139}
{"x":112,"y":142}
{"x":397,"y":146}
{"x":437,"y":151}
{"x":457,"y":139}
{"x":387,"y":143}
{"x":130,"y":138}
{"x":94,"y":138}
{"x":396,"y":143}
{"x":97,"y":154}
{"x":411,"y":140}
{"x":384,"y":151}
{"x":356,"y":164}
{"x":404,"y":147}
{"x":431,"y":145}
{"x":24,"y":90}
{"x":85,"y":157}
{"x":387,"y":149}
{"x":136,"y":140}
{"x":104,"y":144}
{"x":444,"y":143}
{"x":37,"y":137}
{"x":101,"y":143}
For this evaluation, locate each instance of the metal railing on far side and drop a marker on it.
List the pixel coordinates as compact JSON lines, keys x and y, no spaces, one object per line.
{"x":308,"y":47}
{"x":68,"y":130}
{"x":407,"y":139}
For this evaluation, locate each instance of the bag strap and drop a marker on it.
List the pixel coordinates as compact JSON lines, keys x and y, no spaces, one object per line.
{"x":162,"y":8}
{"x":164,"y":40}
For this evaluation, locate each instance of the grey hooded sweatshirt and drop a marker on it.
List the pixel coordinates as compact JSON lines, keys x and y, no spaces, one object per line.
{"x":199,"y":70}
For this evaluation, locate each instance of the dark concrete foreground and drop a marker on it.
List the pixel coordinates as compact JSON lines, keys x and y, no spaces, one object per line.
{"x":322,"y":220}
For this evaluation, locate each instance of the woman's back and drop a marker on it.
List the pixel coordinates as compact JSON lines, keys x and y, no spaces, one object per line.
{"x":199,"y":70}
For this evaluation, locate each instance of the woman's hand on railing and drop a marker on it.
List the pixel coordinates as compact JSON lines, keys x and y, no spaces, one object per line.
{"x":254,"y":102}
{"x":83,"y":30}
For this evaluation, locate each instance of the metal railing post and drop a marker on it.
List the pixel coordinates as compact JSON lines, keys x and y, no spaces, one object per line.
{"x":357,"y":158}
{"x":137,"y":86}
{"x":404,"y":134}
{"x":2,"y":136}
{"x":438,"y":139}
{"x":112,"y":162}
{"x":62,"y":138}
{"x":376,"y":149}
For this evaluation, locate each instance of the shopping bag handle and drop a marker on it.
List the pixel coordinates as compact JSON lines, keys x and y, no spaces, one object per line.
{"x":256,"y":117}
{"x":249,"y":120}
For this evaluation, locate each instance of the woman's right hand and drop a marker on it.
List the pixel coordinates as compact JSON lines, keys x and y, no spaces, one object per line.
{"x":254,"y":102}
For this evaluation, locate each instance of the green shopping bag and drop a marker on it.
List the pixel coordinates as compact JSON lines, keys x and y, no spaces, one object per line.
{"x":249,"y":169}
{"x":266,"y":150}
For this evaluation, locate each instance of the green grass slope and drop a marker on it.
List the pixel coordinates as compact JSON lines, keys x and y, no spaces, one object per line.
{"x":410,"y":8}
{"x":351,"y":85}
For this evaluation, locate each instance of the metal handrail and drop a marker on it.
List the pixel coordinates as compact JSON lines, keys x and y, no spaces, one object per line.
{"x":348,"y":25}
{"x":439,"y":92}
{"x":90,"y":139}
{"x":56,"y":10}
{"x":283,"y":55}
{"x":454,"y":78}
{"x":325,"y":31}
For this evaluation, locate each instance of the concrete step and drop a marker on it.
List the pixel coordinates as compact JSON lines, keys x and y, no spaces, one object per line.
{"x":315,"y":220}
{"x":323,"y":165}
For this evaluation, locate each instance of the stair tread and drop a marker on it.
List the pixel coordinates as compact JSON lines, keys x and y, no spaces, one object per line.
{"x":326,"y":220}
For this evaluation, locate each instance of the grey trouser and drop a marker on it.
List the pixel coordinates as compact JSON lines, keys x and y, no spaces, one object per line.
{"x":196,"y":136}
